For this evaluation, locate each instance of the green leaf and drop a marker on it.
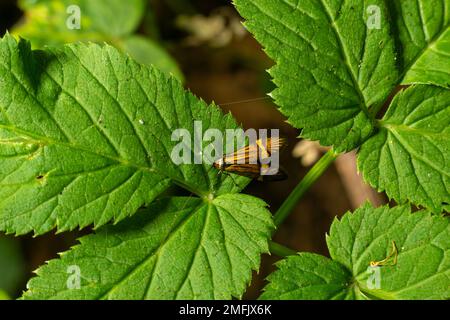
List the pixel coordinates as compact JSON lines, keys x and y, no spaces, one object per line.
{"x":422,"y":269}
{"x":45,"y":24}
{"x":85,"y":137}
{"x":46,"y":19}
{"x":335,"y":68}
{"x":147,"y":52}
{"x":409,"y":157}
{"x":108,"y":21}
{"x":424,"y":40}
{"x":330,"y":68}
{"x":178,"y":248}
{"x":308,"y":276}
{"x":114,"y":17}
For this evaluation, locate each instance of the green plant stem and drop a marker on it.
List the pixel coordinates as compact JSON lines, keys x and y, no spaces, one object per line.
{"x":280,"y":250}
{"x":311,"y":177}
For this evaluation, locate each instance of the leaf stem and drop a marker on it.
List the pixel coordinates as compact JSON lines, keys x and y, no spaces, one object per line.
{"x":280,"y":250}
{"x":311,"y":177}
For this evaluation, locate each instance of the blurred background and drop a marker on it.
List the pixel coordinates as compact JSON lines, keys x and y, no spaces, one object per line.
{"x":204,"y":44}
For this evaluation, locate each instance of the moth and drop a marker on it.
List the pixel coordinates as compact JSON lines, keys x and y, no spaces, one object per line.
{"x":250,"y":161}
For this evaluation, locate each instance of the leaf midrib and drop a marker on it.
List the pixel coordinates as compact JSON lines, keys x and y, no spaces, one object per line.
{"x":432,"y":42}
{"x":41,"y":140}
{"x":411,"y":150}
{"x":155,"y":252}
{"x":344,"y":54}
{"x":403,"y":127}
{"x":118,"y":160}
